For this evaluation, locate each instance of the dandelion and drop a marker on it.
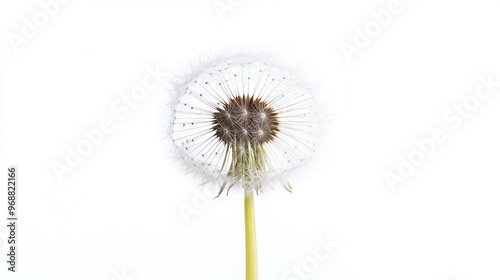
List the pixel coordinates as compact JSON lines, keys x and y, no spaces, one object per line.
{"x":247,"y":124}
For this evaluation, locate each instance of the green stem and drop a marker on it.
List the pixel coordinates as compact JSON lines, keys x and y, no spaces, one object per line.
{"x":250,"y":238}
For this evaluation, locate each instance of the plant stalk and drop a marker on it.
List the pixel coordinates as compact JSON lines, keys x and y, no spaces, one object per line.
{"x":250,"y":238}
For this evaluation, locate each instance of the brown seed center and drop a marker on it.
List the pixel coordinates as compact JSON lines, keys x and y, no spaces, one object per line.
{"x":244,"y":120}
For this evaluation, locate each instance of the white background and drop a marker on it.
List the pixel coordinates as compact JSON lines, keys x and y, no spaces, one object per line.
{"x":117,"y":214}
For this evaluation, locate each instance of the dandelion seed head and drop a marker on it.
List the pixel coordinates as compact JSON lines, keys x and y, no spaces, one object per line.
{"x":239,"y":122}
{"x":244,"y":122}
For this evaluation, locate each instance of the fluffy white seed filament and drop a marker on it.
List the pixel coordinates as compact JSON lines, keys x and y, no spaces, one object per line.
{"x":244,"y":123}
